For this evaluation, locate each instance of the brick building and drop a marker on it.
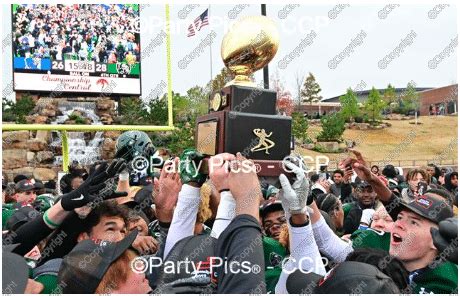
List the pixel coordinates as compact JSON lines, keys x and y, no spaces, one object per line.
{"x":443,"y":100}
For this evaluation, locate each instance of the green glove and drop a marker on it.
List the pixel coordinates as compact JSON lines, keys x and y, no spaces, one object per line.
{"x":190,"y":161}
{"x":43,"y":202}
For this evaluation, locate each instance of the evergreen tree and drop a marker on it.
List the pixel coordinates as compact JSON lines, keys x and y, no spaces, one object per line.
{"x":300,"y":127}
{"x":374,"y":105}
{"x":333,"y":127}
{"x":349,"y":105}
{"x":411,"y":99}
{"x":310,"y":90}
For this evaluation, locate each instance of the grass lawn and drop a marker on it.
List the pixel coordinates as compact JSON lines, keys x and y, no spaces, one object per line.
{"x":435,"y":139}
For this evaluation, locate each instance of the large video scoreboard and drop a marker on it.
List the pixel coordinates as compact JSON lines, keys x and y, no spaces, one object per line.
{"x":81,"y":48}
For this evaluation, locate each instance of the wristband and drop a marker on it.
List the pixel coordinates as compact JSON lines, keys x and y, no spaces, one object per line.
{"x":49,"y":222}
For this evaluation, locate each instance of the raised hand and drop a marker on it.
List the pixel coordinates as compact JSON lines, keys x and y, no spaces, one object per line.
{"x":219,"y":174}
{"x":294,"y":197}
{"x":244,"y":186}
{"x":166,"y":191}
{"x":359,"y":156}
{"x":191,"y":161}
{"x":93,"y":185}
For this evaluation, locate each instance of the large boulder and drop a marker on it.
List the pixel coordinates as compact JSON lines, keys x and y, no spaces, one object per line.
{"x":36,"y":145}
{"x":45,"y":157}
{"x":48,"y":112}
{"x":44,"y":174}
{"x":329,"y":146}
{"x":108,"y":148}
{"x":43,"y":135}
{"x":106,"y":119}
{"x":36,"y":119}
{"x":30,"y":156}
{"x":26,"y":171}
{"x":112,"y":134}
{"x":15,"y":136}
{"x":14,"y":158}
{"x":105,"y":105}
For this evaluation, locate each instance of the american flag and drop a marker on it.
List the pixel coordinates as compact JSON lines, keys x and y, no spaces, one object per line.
{"x":198,"y":23}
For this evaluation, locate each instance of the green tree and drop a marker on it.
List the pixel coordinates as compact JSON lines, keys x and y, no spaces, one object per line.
{"x":17,"y":111}
{"x":333,"y":127}
{"x":389,"y":95}
{"x":310,"y":90}
{"x":300,"y":127}
{"x":157,"y":112}
{"x":182,"y":137}
{"x":132,"y":111}
{"x":198,"y":100}
{"x":349,"y":105}
{"x":411,"y":99}
{"x":374,"y":105}
{"x":220,"y":80}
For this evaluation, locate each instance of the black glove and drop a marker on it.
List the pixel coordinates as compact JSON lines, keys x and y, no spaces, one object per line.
{"x":115,"y":168}
{"x":90,"y":189}
{"x":445,"y":239}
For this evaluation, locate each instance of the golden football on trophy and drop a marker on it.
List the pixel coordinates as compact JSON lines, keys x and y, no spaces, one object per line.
{"x":249,"y":45}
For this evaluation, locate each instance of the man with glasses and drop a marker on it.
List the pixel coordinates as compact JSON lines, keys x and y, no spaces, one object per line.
{"x":361,"y":210}
{"x":273,"y":219}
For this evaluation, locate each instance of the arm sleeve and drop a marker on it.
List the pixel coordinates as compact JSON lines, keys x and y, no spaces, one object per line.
{"x":225,"y":213}
{"x":304,"y":255}
{"x":392,"y":207}
{"x":28,"y":235}
{"x":241,"y":243}
{"x":351,"y":222}
{"x":330,"y":244}
{"x":345,"y":192}
{"x":184,"y":218}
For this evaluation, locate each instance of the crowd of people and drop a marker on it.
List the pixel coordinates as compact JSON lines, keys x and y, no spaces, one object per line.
{"x":88,"y":32}
{"x":177,"y":229}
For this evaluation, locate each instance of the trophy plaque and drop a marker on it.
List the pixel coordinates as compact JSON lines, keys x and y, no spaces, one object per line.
{"x":243,"y":117}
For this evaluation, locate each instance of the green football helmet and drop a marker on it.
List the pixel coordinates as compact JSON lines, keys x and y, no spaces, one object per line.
{"x":132,"y":144}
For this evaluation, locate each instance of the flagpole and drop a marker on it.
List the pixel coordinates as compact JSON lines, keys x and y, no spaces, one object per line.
{"x":210,"y":44}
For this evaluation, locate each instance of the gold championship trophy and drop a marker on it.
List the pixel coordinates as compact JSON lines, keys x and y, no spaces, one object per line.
{"x":243,"y":117}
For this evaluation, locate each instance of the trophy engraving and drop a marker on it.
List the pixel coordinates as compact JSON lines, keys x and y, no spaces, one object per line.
{"x":264,"y":143}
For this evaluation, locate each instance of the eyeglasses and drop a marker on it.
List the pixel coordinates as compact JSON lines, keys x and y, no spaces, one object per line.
{"x":279,"y":222}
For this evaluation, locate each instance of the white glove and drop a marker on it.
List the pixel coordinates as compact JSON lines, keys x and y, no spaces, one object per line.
{"x":124,"y":175}
{"x":366,"y":217}
{"x":294,"y":197}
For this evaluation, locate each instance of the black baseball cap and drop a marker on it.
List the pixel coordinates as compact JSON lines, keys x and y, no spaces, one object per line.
{"x":83,"y":276}
{"x":363,"y":184}
{"x":18,"y":178}
{"x":430,"y":207}
{"x":20,"y":217}
{"x":271,"y":207}
{"x":349,"y":277}
{"x":15,"y":271}
{"x":144,"y":195}
{"x":25,"y":185}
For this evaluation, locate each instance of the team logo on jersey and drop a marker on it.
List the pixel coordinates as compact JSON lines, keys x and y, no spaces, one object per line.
{"x":123,"y":68}
{"x":275,"y":259}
